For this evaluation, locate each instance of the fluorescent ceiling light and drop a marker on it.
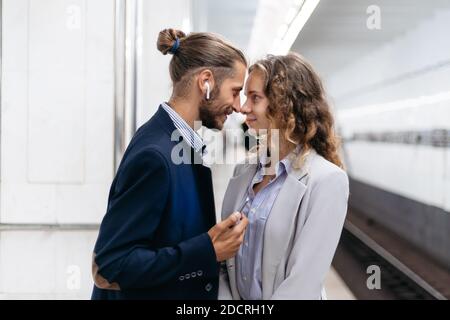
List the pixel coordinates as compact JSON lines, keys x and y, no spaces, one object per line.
{"x":283,"y":43}
{"x":419,"y":102}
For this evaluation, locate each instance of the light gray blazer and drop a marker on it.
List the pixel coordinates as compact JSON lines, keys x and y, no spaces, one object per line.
{"x":302,"y":230}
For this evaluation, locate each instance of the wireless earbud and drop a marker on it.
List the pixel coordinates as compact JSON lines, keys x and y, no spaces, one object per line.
{"x":207,"y":90}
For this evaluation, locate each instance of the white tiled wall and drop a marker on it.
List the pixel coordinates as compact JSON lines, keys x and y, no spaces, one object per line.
{"x":46,"y":264}
{"x":155,"y":85}
{"x":57,"y":110}
{"x":403,"y":85}
{"x":56,"y":142}
{"x":414,"y":172}
{"x":423,"y":46}
{"x":57,"y":133}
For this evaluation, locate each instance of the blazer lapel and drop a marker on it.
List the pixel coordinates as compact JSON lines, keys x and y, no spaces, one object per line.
{"x":237,"y":187}
{"x":206,"y":193}
{"x":233,"y":200}
{"x":281,"y":223}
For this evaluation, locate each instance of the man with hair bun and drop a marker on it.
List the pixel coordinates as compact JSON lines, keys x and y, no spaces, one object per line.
{"x":158,"y":238}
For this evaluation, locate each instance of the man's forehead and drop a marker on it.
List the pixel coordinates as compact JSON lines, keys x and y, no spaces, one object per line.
{"x":240,"y":70}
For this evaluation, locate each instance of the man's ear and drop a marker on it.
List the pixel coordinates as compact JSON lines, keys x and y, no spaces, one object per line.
{"x":204,"y":76}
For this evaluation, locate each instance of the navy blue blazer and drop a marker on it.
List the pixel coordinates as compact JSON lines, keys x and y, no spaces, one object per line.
{"x":153,"y":241}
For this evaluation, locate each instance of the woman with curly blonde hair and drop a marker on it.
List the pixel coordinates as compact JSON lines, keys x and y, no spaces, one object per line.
{"x":295,"y":195}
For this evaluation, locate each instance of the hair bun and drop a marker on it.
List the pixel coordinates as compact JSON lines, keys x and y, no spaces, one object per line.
{"x":167,"y":38}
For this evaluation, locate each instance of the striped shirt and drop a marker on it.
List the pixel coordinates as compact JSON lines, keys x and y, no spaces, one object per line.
{"x":189,"y":135}
{"x":257,"y":208}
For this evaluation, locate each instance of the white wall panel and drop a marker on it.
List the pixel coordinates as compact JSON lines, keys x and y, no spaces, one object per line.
{"x":410,"y":171}
{"x":402,"y":85}
{"x":155,"y":85}
{"x":57,"y":110}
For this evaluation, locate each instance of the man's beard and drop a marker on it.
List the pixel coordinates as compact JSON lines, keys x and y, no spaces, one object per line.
{"x":210,"y":111}
{"x":209,"y":114}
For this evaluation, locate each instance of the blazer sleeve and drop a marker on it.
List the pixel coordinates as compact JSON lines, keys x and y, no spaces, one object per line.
{"x":123,"y":256}
{"x":314,"y":246}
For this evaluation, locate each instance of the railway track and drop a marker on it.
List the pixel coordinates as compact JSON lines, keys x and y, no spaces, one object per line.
{"x":405,"y":273}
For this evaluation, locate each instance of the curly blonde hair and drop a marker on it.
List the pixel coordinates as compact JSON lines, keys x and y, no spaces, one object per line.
{"x":298,"y":106}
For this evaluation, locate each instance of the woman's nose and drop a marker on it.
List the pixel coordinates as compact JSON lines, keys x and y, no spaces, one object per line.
{"x":245,"y":108}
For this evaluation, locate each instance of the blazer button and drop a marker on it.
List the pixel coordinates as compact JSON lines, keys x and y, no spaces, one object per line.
{"x":181,"y":278}
{"x":187,"y":276}
{"x":199,"y":273}
{"x":208,"y":287}
{"x":193,"y":274}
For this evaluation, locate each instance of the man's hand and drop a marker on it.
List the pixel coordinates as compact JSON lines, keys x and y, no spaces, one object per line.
{"x":227,"y":236}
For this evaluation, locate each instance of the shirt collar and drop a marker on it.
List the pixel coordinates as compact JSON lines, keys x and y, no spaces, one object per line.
{"x":189,"y":135}
{"x":281,"y":166}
